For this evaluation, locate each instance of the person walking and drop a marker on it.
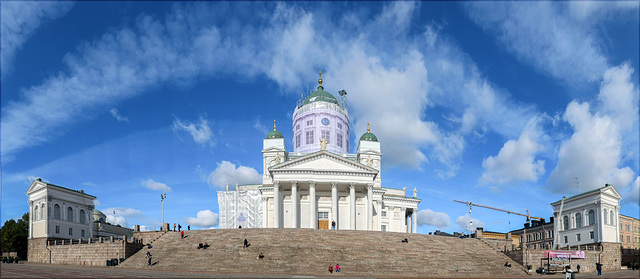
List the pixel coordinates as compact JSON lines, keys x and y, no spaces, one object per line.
{"x":578,"y":269}
{"x":181,"y":234}
{"x":599,"y":268}
{"x":174,"y":227}
{"x":568,"y":273}
{"x":246,"y":243}
{"x":333,"y":225}
{"x":179,"y":228}
{"x":188,"y":227}
{"x":148,"y":258}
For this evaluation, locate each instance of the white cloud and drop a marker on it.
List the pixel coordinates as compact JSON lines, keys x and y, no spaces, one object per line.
{"x":463,"y":223}
{"x":120,"y":215}
{"x":428,"y":217}
{"x":542,"y":34}
{"x":516,"y":160}
{"x":97,"y":202}
{"x":258,"y":125}
{"x":601,"y":139}
{"x":226,"y":172}
{"x":20,"y":20}
{"x":116,"y":114}
{"x":201,"y":132}
{"x":156,"y":186}
{"x":205,"y":218}
{"x":632,"y":197}
{"x":590,"y":11}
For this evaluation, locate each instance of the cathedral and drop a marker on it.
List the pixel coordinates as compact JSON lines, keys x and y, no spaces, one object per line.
{"x":319,"y":184}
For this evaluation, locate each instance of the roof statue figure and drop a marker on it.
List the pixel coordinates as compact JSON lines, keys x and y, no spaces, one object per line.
{"x":369,"y":161}
{"x":278,"y":159}
{"x":236,"y":186}
{"x":415,"y":192}
{"x":404,"y":189}
{"x":323,"y":144}
{"x":227,"y":186}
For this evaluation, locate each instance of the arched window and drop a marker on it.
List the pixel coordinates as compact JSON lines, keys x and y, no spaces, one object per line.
{"x":70,"y":214}
{"x":578,"y":220}
{"x":611,"y":217}
{"x":592,"y":217}
{"x":42,"y":216}
{"x":605,"y":217}
{"x":82,"y":218}
{"x":566,"y":223}
{"x":35,"y":214}
{"x":56,"y":211}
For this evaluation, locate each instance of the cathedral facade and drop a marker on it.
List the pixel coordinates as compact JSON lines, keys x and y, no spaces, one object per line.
{"x":319,"y":184}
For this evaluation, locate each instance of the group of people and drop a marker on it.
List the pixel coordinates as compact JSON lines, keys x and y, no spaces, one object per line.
{"x":331,"y":268}
{"x":180,"y":227}
{"x":205,"y":246}
{"x":570,"y":275}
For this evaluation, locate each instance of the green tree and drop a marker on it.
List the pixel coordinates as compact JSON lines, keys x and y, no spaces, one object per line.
{"x":13,"y":235}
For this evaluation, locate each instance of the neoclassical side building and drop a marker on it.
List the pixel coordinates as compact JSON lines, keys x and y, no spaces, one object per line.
{"x":320,"y":182}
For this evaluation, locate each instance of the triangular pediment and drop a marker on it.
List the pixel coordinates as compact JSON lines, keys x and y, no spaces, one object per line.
{"x":35,"y":186}
{"x":611,"y":191}
{"x":323,"y":161}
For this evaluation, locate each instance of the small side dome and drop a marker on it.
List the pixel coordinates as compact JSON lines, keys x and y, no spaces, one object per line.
{"x":274,"y":134}
{"x":99,"y":216}
{"x":368,"y":136}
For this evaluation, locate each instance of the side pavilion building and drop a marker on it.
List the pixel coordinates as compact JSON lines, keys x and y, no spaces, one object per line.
{"x":320,"y":182}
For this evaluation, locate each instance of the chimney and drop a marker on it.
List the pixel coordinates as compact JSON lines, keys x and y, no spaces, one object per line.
{"x":526,"y":225}
{"x":551,"y":219}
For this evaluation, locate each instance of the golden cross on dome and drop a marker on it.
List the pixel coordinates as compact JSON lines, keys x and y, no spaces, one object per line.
{"x":274,"y":124}
{"x":368,"y":127}
{"x":320,"y":79}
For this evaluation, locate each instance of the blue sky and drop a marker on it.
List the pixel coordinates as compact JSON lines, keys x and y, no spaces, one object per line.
{"x":498,"y":103}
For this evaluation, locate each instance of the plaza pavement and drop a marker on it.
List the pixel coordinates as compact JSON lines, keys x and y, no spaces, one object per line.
{"x":33,"y":270}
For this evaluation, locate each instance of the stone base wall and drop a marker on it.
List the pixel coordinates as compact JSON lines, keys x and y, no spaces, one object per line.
{"x":608,"y":255}
{"x":45,"y":250}
{"x":148,"y":237}
{"x":499,"y":245}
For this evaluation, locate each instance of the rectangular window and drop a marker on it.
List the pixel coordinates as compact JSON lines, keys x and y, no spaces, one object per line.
{"x":566,"y":239}
{"x":81,"y":233}
{"x":591,"y":235}
{"x":339,"y":139}
{"x":384,"y":228}
{"x":309,"y":122}
{"x":70,"y":231}
{"x":297,"y":140}
{"x":384,"y":214}
{"x":298,"y":127}
{"x":57,"y":229}
{"x":309,"y":138}
{"x":578,"y":238}
{"x":323,"y":215}
{"x":340,"y":126}
{"x":325,"y":135}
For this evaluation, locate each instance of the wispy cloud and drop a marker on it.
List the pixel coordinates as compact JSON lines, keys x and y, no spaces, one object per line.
{"x":20,"y":20}
{"x":463,"y":223}
{"x":116,"y":114}
{"x":227,"y":172}
{"x":156,"y":186}
{"x":200,"y":132}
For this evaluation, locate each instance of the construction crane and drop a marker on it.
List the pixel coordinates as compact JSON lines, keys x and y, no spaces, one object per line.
{"x":529,"y":217}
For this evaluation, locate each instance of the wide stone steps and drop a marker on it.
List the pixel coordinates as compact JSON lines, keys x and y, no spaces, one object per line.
{"x":310,"y":252}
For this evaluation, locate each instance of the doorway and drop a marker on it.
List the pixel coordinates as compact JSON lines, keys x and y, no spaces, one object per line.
{"x":323,"y":220}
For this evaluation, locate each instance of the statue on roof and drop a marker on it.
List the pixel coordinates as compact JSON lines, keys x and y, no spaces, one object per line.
{"x":415,"y":192}
{"x":227,"y":186}
{"x":323,"y":144}
{"x":369,"y":161}
{"x":404,"y":189}
{"x":278,"y":159}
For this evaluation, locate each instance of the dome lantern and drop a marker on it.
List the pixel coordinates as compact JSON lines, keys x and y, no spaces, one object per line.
{"x":274,"y":134}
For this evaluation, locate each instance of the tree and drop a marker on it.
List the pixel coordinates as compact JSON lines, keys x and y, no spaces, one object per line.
{"x":14,"y":235}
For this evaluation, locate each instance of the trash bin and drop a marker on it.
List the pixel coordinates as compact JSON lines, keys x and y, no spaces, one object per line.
{"x":109,"y":263}
{"x":115,"y":262}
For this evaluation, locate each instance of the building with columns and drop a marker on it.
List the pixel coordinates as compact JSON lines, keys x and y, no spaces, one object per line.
{"x":588,"y":218}
{"x":57,"y":212}
{"x":320,"y":182}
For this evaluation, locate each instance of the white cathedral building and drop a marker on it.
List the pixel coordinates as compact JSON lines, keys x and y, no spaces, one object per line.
{"x":320,"y":183}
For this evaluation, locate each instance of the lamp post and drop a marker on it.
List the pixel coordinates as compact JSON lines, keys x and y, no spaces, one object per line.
{"x":162,"y":197}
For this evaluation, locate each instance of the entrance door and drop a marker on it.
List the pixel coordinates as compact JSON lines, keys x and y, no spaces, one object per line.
{"x":323,"y":220}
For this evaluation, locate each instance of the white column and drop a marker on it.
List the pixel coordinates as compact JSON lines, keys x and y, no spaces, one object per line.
{"x":379,"y":205}
{"x":276,"y":204}
{"x":334,"y":203}
{"x":30,"y":219}
{"x":403,"y":213}
{"x":313,"y":214}
{"x":294,"y":204}
{"x":369,"y":210}
{"x":599,"y":222}
{"x":414,"y":220}
{"x":617,"y":223}
{"x":265,"y":210}
{"x":352,"y":198}
{"x":390,"y":217}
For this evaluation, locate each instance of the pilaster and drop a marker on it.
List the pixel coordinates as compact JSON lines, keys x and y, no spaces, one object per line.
{"x":352,"y":211}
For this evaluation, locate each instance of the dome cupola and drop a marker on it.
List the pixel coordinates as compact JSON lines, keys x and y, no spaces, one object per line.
{"x":274,"y":134}
{"x":368,"y":136}
{"x":320,"y":95}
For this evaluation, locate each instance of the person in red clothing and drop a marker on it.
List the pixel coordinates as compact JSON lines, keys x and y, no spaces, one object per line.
{"x":337,"y":268}
{"x":330,"y":268}
{"x":181,"y":234}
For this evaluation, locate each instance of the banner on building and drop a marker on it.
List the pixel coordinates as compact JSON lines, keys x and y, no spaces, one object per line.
{"x":564,"y":254}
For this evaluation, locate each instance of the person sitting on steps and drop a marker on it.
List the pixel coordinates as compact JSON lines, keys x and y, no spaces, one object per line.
{"x":508,"y":265}
{"x":261,"y":256}
{"x":405,"y":240}
{"x":205,"y":246}
{"x":246,"y":243}
{"x":200,"y":246}
{"x":330,"y":268}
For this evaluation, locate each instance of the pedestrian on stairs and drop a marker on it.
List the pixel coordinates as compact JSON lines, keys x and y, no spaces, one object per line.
{"x":188,"y":227}
{"x":174,"y":227}
{"x":179,"y":227}
{"x":182,"y":234}
{"x":149,"y":258}
{"x":568,"y":274}
{"x":246,"y":243}
{"x":333,"y":225}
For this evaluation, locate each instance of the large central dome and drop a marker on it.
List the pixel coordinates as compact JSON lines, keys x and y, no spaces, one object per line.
{"x":321,"y":116}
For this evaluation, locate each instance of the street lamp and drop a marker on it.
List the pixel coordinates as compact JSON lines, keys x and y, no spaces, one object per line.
{"x":162,"y":197}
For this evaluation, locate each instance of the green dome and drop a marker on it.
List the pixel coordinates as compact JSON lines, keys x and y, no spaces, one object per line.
{"x":368,"y":136}
{"x":274,"y":134}
{"x":320,"y":95}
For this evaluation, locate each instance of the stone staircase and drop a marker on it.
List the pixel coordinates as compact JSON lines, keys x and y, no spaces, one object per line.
{"x":310,"y":252}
